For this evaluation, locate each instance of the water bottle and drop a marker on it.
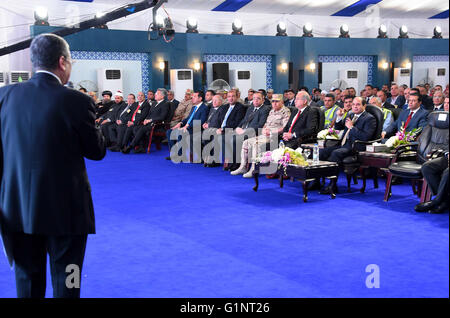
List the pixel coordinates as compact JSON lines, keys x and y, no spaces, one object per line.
{"x":316,"y":154}
{"x":281,"y":145}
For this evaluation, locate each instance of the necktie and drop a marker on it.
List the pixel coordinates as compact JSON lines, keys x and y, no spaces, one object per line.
{"x":295,"y":120}
{"x":224,"y":123}
{"x":192,"y":116}
{"x":344,"y":140}
{"x":123,"y":112}
{"x":408,"y":120}
{"x":134,"y":114}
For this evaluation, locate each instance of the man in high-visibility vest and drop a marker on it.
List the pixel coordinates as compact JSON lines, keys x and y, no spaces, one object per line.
{"x":330,"y":109}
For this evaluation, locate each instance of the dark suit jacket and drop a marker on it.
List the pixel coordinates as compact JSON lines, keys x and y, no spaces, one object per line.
{"x":363,"y":129}
{"x":420,"y":119}
{"x":388,"y":105}
{"x":399,"y":102}
{"x":158,"y":112}
{"x":46,"y":132}
{"x":235,"y":116}
{"x":216,"y":116}
{"x":114,"y":112}
{"x":105,"y":107}
{"x":175,"y":103}
{"x":201,"y":114}
{"x":306,"y":125}
{"x":255,"y":119}
{"x":141,"y":114}
{"x":126,"y":116}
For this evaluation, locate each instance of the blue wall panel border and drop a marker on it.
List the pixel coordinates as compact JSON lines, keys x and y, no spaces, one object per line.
{"x":223,"y":58}
{"x":352,"y":58}
{"x":145,"y":59}
{"x":430,"y":58}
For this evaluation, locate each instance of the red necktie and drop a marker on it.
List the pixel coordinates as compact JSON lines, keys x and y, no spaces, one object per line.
{"x":408,"y":120}
{"x":295,"y":120}
{"x":134,"y":114}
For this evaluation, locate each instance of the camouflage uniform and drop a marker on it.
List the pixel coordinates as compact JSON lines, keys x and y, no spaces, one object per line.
{"x":181,"y":112}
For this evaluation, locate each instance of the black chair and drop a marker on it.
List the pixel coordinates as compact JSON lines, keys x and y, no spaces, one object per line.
{"x":432,"y":140}
{"x":396,"y":112}
{"x":351,"y":163}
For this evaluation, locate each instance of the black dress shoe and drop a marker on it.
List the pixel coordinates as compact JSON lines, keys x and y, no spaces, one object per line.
{"x":327,"y":190}
{"x":140,"y":150}
{"x":126,"y":150}
{"x":168,"y":158}
{"x":213,"y":165}
{"x":424,"y":207}
{"x":234,"y":166}
{"x":115,"y":149}
{"x":441,"y":208}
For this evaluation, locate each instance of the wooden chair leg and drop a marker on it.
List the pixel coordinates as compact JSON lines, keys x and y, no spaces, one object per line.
{"x":413,"y":184}
{"x":349,"y":181}
{"x":355,"y":179}
{"x":150,"y":139}
{"x":375,"y":179}
{"x":425,"y":189}
{"x":387,"y":192}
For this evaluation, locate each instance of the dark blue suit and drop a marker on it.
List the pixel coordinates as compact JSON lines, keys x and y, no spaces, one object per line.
{"x":420,"y":119}
{"x":363,"y":129}
{"x":46,"y":132}
{"x":400,"y":101}
{"x":200,"y":116}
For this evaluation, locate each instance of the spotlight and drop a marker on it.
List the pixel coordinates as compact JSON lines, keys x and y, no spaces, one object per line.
{"x":284,"y":67}
{"x":159,"y":22}
{"x":237,"y":27}
{"x":307,"y":30}
{"x":382,"y":32}
{"x":41,"y":16}
{"x":197,"y":66}
{"x":281,"y":29}
{"x":437,"y":32}
{"x":344,"y":31}
{"x":168,"y":27}
{"x":162,"y":65}
{"x":100,"y":15}
{"x":191,"y":25}
{"x":403,"y":32}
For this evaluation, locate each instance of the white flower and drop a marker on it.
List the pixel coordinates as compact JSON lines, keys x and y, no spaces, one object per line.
{"x":322,"y":134}
{"x":277,"y":154}
{"x":391,"y":141}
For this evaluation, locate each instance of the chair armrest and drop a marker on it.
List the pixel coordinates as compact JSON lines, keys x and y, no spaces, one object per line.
{"x":435,"y":153}
{"x":405,"y":148}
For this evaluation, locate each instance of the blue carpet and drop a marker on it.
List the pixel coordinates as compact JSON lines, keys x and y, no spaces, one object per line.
{"x":182,"y":230}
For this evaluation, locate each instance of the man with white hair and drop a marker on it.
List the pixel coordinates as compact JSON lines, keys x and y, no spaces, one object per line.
{"x":388,"y":117}
{"x":438,"y":101}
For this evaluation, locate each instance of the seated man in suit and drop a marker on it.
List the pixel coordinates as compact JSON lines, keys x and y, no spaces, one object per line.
{"x":183,"y":109}
{"x":151,"y":95}
{"x":117,"y":130}
{"x":360,"y":125}
{"x":302,"y":123}
{"x":208,"y":97}
{"x":276,"y":121}
{"x":254,"y":118}
{"x":141,"y":126}
{"x":171,"y":99}
{"x":110,"y":117}
{"x":396,"y":98}
{"x":438,"y":101}
{"x":383,"y":97}
{"x":249,"y":98}
{"x":198,"y":115}
{"x":427,"y":101}
{"x":330,"y":109}
{"x":435,"y":173}
{"x":409,"y":119}
{"x":388,"y":117}
{"x":213,"y":123}
{"x":290,"y":98}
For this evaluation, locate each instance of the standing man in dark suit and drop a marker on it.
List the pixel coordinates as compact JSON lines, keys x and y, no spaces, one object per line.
{"x":46,"y":207}
{"x":157,"y":112}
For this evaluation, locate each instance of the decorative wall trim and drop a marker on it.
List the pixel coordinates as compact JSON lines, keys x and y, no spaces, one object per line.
{"x":430,"y":58}
{"x":352,"y":58}
{"x":221,"y":58}
{"x":145,"y":59}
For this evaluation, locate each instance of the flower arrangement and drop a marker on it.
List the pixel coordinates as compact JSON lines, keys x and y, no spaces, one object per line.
{"x":284,"y":156}
{"x":402,"y":137}
{"x":329,"y":133}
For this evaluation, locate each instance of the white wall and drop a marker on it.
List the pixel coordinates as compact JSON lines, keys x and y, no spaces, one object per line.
{"x":420,"y":71}
{"x":131,"y":71}
{"x":330,"y":72}
{"x":258,"y":69}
